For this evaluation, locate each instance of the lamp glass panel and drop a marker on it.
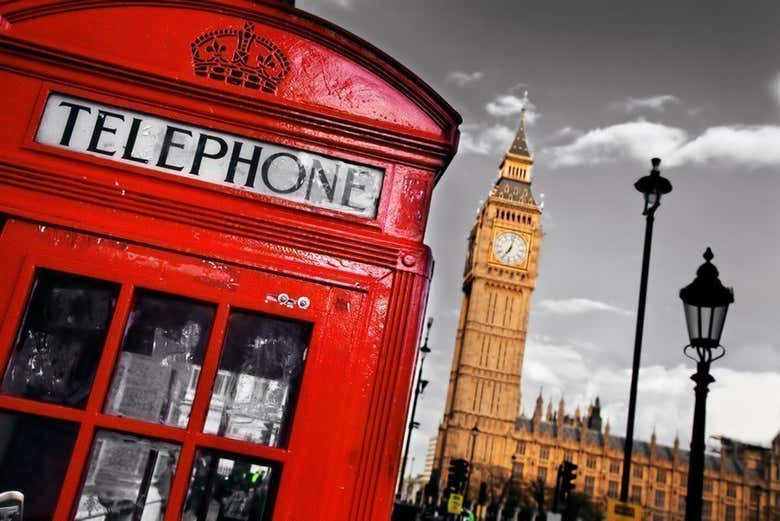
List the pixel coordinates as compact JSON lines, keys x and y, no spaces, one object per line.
{"x":706,"y":322}
{"x":692,"y":321}
{"x":718,"y":319}
{"x":651,"y":199}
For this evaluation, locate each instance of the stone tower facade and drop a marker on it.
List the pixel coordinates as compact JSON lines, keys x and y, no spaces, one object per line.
{"x":483,"y":398}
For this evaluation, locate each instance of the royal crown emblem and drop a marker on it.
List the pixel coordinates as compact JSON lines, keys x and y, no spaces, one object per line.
{"x":239,"y":57}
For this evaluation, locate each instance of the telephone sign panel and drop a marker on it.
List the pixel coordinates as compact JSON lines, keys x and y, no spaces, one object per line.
{"x":179,"y":149}
{"x":211,"y":219}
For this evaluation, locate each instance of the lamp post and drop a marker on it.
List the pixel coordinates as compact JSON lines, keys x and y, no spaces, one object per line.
{"x":705,"y":301}
{"x":418,"y":390}
{"x":652,"y":186}
{"x":512,"y":473}
{"x":474,"y":432}
{"x":510,"y":499}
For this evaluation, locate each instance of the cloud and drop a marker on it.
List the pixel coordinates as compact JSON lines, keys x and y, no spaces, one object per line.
{"x":657,"y":103}
{"x":633,"y":140}
{"x":462,"y":79}
{"x":508,"y":105}
{"x":564,"y":133}
{"x":480,"y":139}
{"x":505,"y":105}
{"x":577,"y":306}
{"x":735,"y":407}
{"x":751,"y":146}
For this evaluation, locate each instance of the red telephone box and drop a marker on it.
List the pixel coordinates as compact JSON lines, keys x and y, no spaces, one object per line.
{"x":212,"y":275}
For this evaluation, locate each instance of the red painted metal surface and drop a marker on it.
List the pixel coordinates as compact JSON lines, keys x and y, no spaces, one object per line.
{"x":367,"y":278}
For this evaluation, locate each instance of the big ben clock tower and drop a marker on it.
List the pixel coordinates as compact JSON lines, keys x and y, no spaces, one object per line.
{"x":483,"y":399}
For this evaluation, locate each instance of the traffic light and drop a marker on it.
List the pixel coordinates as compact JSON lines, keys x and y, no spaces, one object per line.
{"x":432,"y":487}
{"x":456,"y":475}
{"x":451,"y":476}
{"x":568,"y":477}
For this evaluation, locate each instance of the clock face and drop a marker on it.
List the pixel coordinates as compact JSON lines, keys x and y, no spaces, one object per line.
{"x":510,"y":248}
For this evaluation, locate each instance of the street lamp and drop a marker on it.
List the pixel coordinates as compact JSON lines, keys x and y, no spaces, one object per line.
{"x":418,"y":390}
{"x":512,"y":472}
{"x":474,"y":432}
{"x":509,"y":499}
{"x":653,"y":187}
{"x":706,"y":302}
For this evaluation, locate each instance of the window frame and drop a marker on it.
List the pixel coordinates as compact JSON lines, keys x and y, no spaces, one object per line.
{"x":117,"y":262}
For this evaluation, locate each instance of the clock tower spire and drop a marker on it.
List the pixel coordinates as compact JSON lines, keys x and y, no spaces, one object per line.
{"x":517,"y":160}
{"x":519,"y":148}
{"x":498,"y":280}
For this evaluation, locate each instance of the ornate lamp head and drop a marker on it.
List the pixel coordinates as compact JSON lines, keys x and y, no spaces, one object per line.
{"x":706,"y":301}
{"x":653,"y":186}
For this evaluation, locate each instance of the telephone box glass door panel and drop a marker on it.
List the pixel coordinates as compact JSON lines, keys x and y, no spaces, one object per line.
{"x":139,"y":385}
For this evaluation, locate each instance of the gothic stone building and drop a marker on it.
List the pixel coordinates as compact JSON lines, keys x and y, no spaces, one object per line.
{"x":480,"y":421}
{"x":742,"y":481}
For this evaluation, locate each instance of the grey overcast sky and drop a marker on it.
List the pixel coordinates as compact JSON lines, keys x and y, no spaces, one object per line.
{"x":612,"y":85}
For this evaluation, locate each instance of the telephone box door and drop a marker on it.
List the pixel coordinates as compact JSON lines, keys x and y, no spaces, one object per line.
{"x":143,"y":384}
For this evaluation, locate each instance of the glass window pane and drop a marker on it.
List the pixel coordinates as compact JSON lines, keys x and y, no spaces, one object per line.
{"x":230,"y":488}
{"x":162,"y":351}
{"x":34,"y":455}
{"x":59,"y":344}
{"x":129,"y":478}
{"x":259,"y":376}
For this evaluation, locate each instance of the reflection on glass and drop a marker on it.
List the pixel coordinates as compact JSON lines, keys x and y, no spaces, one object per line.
{"x":258,"y":379}
{"x":34,"y":455}
{"x":61,"y":339}
{"x":162,"y":351}
{"x":230,"y":488}
{"x":129,"y":478}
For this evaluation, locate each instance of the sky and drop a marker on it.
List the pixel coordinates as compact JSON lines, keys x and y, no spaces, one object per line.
{"x":612,"y":84}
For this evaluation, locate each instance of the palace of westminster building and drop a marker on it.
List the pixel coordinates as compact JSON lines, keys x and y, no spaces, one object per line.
{"x":481,"y":423}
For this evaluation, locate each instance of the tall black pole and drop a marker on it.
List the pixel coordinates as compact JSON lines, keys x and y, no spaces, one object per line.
{"x":417,"y":391}
{"x":693,"y":501}
{"x":557,"y":488}
{"x":471,"y":464}
{"x":409,"y":431}
{"x":640,"y":324}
